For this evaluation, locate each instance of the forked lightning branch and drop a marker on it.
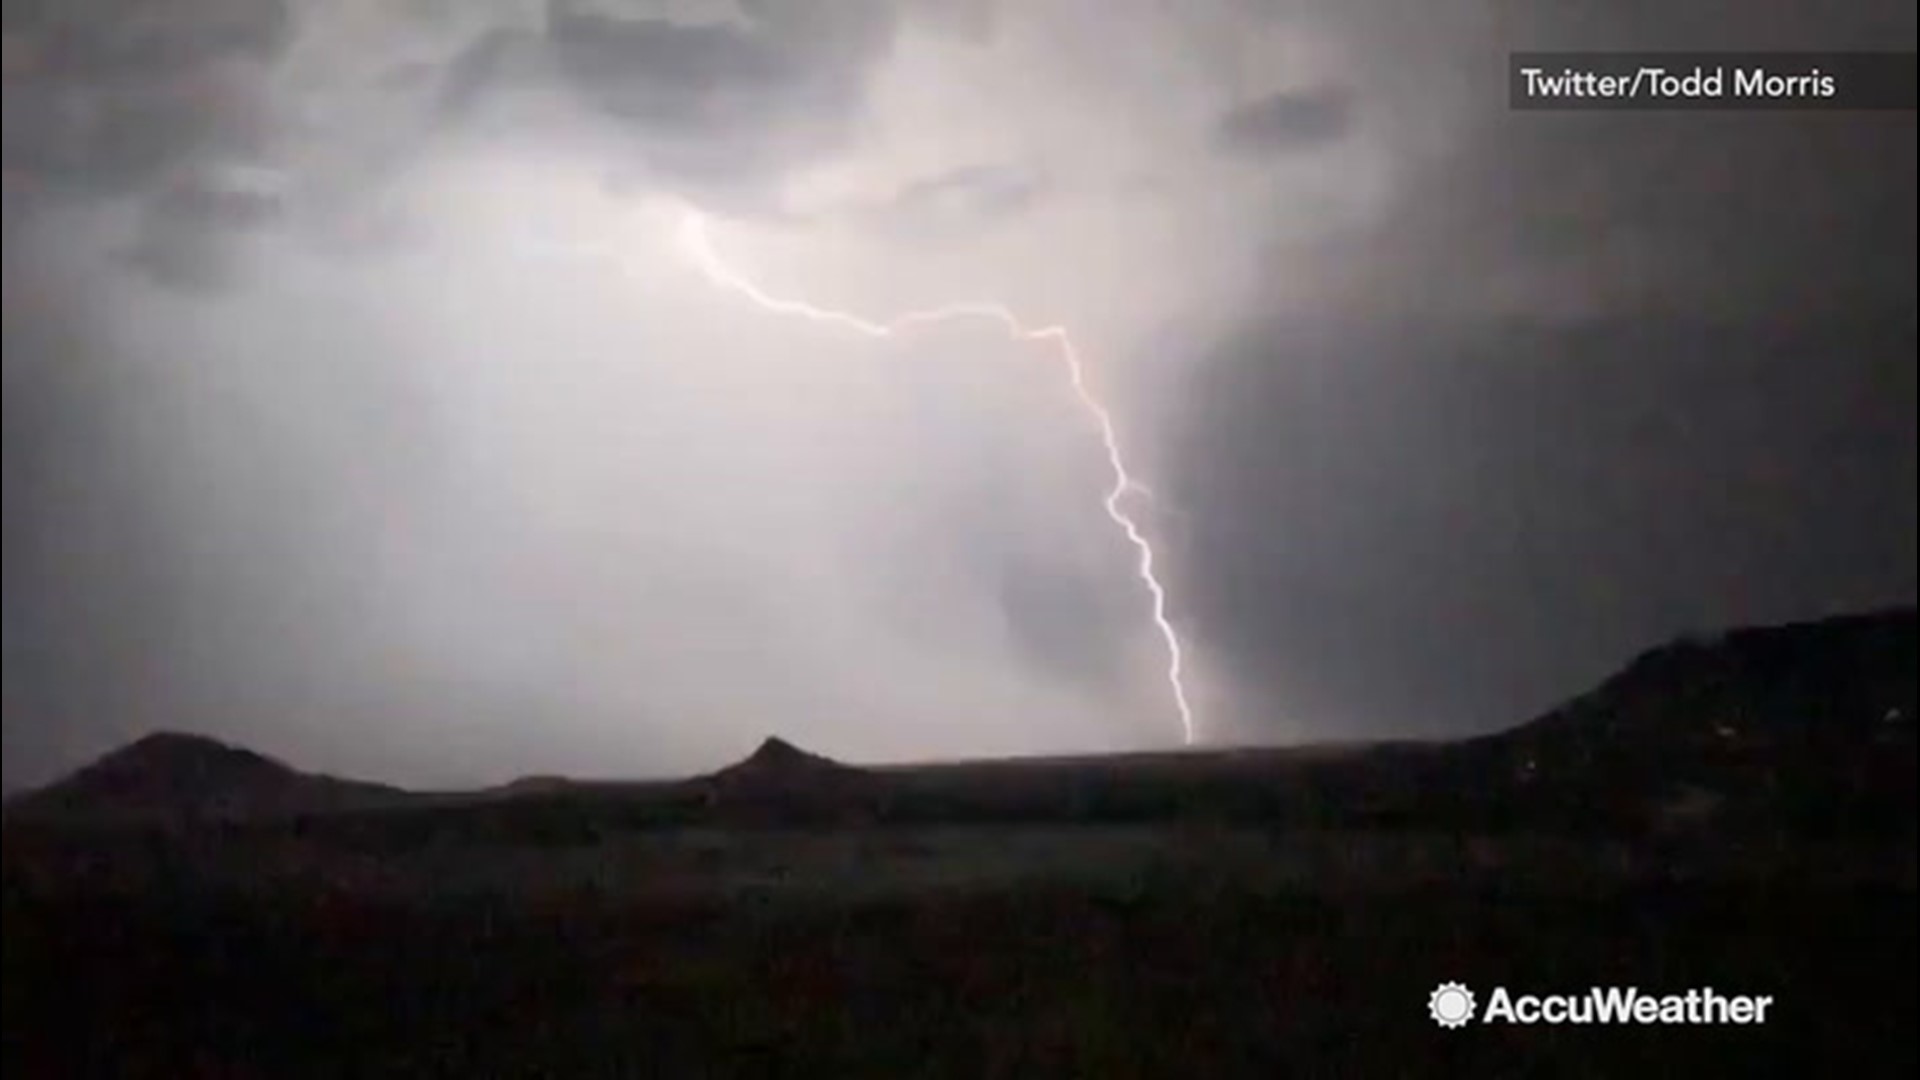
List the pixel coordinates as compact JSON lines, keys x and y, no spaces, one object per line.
{"x":698,"y":248}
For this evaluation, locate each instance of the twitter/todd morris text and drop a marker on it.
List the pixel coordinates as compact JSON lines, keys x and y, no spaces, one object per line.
{"x":1663,"y":81}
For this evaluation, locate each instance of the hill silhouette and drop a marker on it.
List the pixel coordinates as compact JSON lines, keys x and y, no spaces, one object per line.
{"x":779,"y":783}
{"x":177,"y":774}
{"x":1835,"y":681}
{"x":776,"y":757}
{"x":1807,"y":723}
{"x":1801,"y":728}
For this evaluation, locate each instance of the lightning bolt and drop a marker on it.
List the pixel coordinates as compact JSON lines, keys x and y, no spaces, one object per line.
{"x":698,"y":246}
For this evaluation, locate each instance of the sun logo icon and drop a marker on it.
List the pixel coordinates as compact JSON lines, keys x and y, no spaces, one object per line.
{"x":1451,"y":1005}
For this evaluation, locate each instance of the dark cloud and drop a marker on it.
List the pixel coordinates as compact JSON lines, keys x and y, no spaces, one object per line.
{"x":179,"y":256}
{"x":114,"y":97}
{"x":1741,"y":216}
{"x":231,"y":198}
{"x":132,"y":40}
{"x":1289,"y":121}
{"x":1433,"y":528}
{"x":969,"y":192}
{"x":86,"y":139}
{"x":965,"y":20}
{"x":499,"y":58}
{"x":187,"y":229}
{"x":1596,"y":380}
{"x":114,"y":94}
{"x":670,"y":77}
{"x":711,"y":100}
{"x":142,"y":101}
{"x":118,"y":99}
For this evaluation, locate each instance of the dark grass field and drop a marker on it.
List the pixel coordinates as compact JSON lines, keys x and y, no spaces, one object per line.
{"x":1039,"y":983}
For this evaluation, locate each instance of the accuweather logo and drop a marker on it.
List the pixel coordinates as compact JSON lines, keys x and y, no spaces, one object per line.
{"x":1452,"y":1005}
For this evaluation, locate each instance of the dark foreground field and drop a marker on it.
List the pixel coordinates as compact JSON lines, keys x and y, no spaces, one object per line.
{"x":1194,"y":982}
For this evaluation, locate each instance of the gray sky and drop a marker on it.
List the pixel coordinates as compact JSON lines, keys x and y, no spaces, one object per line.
{"x":363,"y":406}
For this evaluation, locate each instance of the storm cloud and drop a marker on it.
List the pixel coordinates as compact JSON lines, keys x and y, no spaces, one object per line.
{"x":1288,"y":121}
{"x":362,"y":405}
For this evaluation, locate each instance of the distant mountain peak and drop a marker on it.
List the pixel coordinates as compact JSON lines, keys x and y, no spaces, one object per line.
{"x":778,"y":752}
{"x":777,"y":756}
{"x":185,"y":746}
{"x":175,"y":772}
{"x":1836,"y":678}
{"x":164,"y":739}
{"x":538,"y":782}
{"x":779,"y":782}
